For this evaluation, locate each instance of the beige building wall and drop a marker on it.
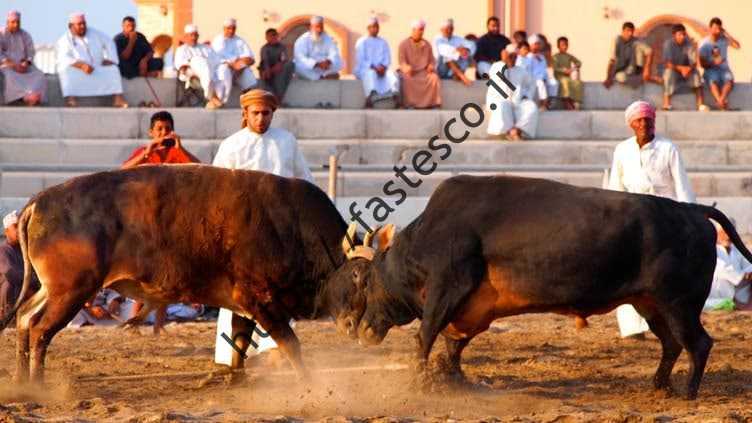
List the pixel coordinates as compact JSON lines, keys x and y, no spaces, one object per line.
{"x":254,"y":17}
{"x":592,"y":25}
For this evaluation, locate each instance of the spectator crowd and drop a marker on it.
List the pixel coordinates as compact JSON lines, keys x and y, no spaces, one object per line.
{"x":90,"y":63}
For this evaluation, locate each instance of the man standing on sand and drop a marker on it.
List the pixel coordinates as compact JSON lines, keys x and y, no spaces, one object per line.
{"x":256,"y":146}
{"x":646,"y":164}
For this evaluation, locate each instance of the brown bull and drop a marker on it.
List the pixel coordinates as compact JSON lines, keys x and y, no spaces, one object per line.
{"x":254,"y":243}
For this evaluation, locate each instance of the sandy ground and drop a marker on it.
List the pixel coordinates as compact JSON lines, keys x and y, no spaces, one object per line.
{"x":525,"y":368}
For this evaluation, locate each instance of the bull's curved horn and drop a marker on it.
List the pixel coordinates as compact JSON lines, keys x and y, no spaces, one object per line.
{"x":348,"y":242}
{"x":368,"y":240}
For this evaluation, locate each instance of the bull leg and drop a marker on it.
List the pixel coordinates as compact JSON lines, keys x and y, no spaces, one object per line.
{"x":454,"y":356}
{"x":688,"y":330}
{"x":281,"y":332}
{"x":23,"y":320}
{"x":671,"y":351}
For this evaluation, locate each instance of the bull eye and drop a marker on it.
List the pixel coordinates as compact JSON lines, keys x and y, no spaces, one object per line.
{"x":355,"y":274}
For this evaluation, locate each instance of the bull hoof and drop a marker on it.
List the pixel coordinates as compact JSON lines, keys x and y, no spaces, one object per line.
{"x":664,"y":392}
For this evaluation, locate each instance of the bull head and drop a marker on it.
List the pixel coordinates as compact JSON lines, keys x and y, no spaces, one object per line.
{"x":384,"y":235}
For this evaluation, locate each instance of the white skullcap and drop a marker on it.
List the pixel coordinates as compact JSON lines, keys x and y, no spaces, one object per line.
{"x":511,"y":48}
{"x":317,"y":19}
{"x":14,"y":15}
{"x":447,"y":23}
{"x":535,"y":38}
{"x":76,"y":17}
{"x":418,"y":23}
{"x":190,"y":29}
{"x":373,"y":20}
{"x":10,"y":219}
{"x":230,"y":22}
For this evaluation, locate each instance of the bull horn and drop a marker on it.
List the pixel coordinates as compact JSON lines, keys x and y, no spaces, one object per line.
{"x":348,"y":242}
{"x":368,"y":240}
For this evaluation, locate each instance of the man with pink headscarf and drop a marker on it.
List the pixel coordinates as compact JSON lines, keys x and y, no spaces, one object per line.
{"x":87,"y":62}
{"x":646,"y":164}
{"x":23,"y":81}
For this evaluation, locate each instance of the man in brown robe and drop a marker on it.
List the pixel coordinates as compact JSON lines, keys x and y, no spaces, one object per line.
{"x":23,"y":81}
{"x":417,"y":68}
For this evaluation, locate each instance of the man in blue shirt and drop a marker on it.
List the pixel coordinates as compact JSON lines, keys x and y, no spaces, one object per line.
{"x":714,"y":59}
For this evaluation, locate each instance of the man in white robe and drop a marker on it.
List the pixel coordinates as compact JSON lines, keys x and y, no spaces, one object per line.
{"x":372,"y":60}
{"x":87,"y":63}
{"x":454,"y":54}
{"x":732,"y":276}
{"x":316,"y":53}
{"x":515,"y":115}
{"x":547,"y":86}
{"x":257,"y":146}
{"x":198,"y":62}
{"x":236,"y":59}
{"x":23,"y":81}
{"x":646,"y":164}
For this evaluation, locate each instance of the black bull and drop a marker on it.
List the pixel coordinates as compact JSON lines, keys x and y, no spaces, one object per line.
{"x":257,"y":244}
{"x":488,"y":247}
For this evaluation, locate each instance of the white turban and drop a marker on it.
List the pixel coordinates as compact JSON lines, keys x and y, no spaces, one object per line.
{"x":317,"y":19}
{"x":76,"y":17}
{"x":10,"y":219}
{"x":190,"y":29}
{"x":535,"y":38}
{"x":14,"y":15}
{"x":418,"y":23}
{"x":511,"y":48}
{"x":373,"y":20}
{"x":230,"y":22}
{"x":447,"y":23}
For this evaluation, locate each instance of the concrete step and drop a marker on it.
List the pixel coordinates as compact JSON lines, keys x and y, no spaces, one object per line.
{"x":369,"y":181}
{"x":348,"y":94}
{"x":100,"y":123}
{"x":111,"y":153}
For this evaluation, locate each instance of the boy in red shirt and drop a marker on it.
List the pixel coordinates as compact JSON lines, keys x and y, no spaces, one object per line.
{"x":165,"y":145}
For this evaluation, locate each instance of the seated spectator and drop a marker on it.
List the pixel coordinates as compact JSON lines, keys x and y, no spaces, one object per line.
{"x":631,"y":60}
{"x":11,"y":265}
{"x":23,"y":81}
{"x":680,"y":58}
{"x":316,"y":53}
{"x":420,"y":84}
{"x":165,"y":145}
{"x":567,"y":72}
{"x":518,"y":38}
{"x":372,"y":60}
{"x":516,"y":115}
{"x":236,"y":59}
{"x":276,"y":68}
{"x":732,"y":276}
{"x":454,"y":54}
{"x":536,"y":64}
{"x":198,"y":62}
{"x":714,"y":59}
{"x":135,"y":52}
{"x":107,"y":307}
{"x":489,"y":48}
{"x":86,"y":63}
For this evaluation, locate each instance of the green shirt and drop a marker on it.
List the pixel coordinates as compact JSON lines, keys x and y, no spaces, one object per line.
{"x":563,"y":61}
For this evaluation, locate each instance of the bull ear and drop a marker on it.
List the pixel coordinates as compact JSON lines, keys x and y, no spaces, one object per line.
{"x":385,"y":236}
{"x":348,"y":242}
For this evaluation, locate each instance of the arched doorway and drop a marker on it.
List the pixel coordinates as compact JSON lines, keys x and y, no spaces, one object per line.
{"x":657,"y":30}
{"x":293,"y":28}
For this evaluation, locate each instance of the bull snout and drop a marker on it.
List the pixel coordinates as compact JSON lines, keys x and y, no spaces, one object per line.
{"x":347,"y":326}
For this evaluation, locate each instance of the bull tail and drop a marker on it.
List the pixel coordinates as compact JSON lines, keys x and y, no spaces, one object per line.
{"x":23,"y":225}
{"x":728,"y":227}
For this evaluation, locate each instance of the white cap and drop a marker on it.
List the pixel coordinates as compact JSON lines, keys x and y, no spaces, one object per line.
{"x":230,"y":22}
{"x":418,"y":23}
{"x":373,"y":20}
{"x":511,"y":48}
{"x":447,"y":23}
{"x":76,"y":17}
{"x":535,"y":38}
{"x":316,"y":19}
{"x":190,"y":29}
{"x":10,"y":219}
